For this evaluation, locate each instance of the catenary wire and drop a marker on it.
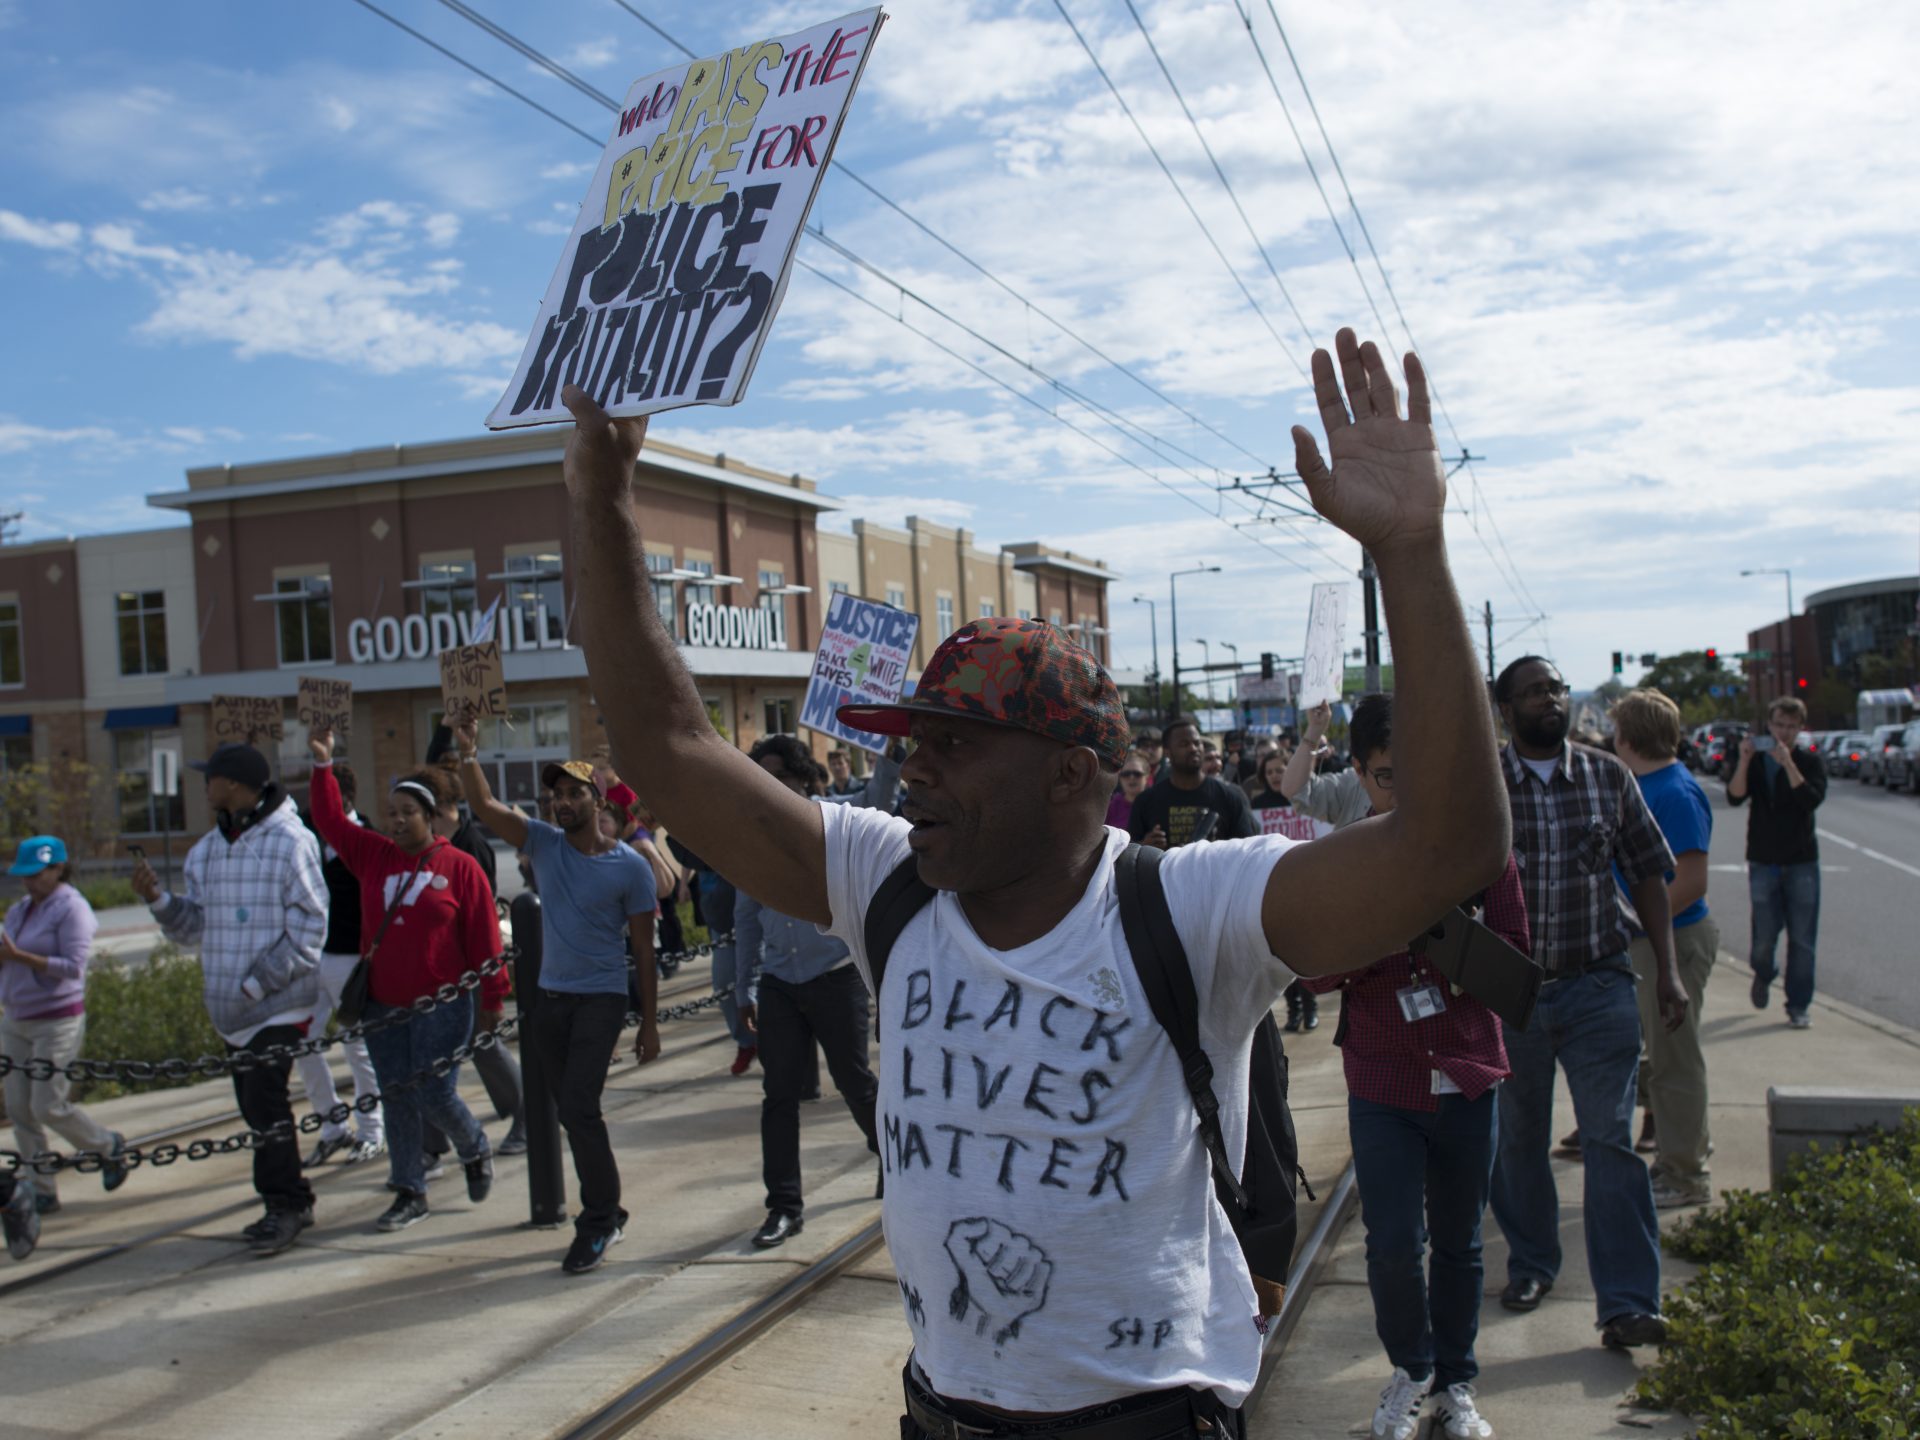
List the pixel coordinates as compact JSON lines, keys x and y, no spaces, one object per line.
{"x":1180,"y":190}
{"x":1512,"y":573}
{"x":840,"y":167}
{"x":1225,"y":184}
{"x":608,"y":102}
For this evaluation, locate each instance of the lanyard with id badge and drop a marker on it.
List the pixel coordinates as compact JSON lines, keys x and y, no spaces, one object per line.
{"x":1420,"y":999}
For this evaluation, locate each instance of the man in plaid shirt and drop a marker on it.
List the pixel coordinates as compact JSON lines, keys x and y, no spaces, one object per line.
{"x":1576,"y":813}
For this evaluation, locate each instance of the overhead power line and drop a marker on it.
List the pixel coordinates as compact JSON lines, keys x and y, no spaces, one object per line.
{"x":1139,"y":434}
{"x":1220,"y":174}
{"x":1511,"y":571}
{"x":1180,"y":190}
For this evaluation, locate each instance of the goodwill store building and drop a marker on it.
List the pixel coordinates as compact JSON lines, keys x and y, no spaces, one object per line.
{"x":363,"y":566}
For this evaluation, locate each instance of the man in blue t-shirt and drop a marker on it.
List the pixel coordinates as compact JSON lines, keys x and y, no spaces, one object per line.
{"x":1646,"y":735}
{"x":596,"y":895}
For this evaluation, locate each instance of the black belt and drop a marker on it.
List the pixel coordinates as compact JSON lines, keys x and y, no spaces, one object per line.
{"x":1152,"y":1415}
{"x":1618,"y":963}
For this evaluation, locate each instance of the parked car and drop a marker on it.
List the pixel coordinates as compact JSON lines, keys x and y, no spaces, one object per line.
{"x":1720,"y":750}
{"x":1901,"y":760}
{"x":1873,"y":764}
{"x":1844,"y":755}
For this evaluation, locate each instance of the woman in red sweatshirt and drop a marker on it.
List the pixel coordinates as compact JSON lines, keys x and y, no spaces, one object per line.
{"x":427,"y":917}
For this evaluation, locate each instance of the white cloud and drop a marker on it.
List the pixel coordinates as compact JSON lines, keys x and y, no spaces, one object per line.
{"x":17,"y":435}
{"x":41,"y":234}
{"x":594,"y":54}
{"x":567,"y":170}
{"x":177,"y":198}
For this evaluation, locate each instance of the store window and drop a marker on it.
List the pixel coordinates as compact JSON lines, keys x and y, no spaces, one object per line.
{"x":659,"y":562}
{"x":986,"y":609}
{"x":141,"y":811}
{"x":536,"y":587}
{"x":306,"y":615}
{"x":446,"y":584}
{"x":772,"y":578}
{"x":515,"y":747}
{"x":897,"y":596}
{"x":838,"y":587}
{"x":13,"y":661}
{"x":778,"y":713}
{"x":142,"y":618}
{"x":1026,"y":614}
{"x":1053,"y":617}
{"x":16,"y":753}
{"x":943,"y":614}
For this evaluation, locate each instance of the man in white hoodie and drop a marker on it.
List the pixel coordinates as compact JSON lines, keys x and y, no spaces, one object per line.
{"x":255,"y":905}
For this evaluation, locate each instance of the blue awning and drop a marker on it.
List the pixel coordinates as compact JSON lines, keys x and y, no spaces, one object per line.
{"x":16,"y":724}
{"x":143,"y":717}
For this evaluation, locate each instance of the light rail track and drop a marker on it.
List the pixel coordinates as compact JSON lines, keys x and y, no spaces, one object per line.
{"x":40,"y":1274}
{"x":628,"y":1411}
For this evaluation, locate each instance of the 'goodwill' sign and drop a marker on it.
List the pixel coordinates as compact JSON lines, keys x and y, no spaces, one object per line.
{"x":737,"y":627}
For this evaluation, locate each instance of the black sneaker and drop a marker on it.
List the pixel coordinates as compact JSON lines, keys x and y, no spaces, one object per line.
{"x":479,"y":1178}
{"x":515,"y":1143}
{"x":260,"y":1227}
{"x":1758,"y":994}
{"x":587,"y":1251}
{"x":113,"y":1173}
{"x":45,"y":1204}
{"x":407,"y":1209}
{"x":1623,"y":1332}
{"x":326,"y":1150}
{"x":278,"y":1229}
{"x":21,"y":1222}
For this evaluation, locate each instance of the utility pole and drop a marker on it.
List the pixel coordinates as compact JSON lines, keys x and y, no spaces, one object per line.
{"x":10,"y":525}
{"x":1489,"y":617}
{"x":1370,"y":596}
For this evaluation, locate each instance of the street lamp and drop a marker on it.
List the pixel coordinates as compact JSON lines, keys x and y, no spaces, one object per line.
{"x":1206,"y":663}
{"x":1233,"y":691}
{"x":1789,"y":646}
{"x":1153,"y":624}
{"x":1173,"y":620}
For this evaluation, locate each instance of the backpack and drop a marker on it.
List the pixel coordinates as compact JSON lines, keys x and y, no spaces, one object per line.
{"x":1260,"y":1200}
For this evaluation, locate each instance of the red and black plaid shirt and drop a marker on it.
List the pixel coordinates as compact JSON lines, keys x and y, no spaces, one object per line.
{"x":1390,"y":1060}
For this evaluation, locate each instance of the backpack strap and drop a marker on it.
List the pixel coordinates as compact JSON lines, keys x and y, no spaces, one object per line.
{"x":901,"y":896}
{"x":1161,"y":962}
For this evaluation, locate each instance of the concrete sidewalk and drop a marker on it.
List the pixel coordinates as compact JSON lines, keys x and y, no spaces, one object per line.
{"x":1545,"y":1375}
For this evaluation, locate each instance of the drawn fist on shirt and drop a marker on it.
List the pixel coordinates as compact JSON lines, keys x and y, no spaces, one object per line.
{"x":1002,"y":1276}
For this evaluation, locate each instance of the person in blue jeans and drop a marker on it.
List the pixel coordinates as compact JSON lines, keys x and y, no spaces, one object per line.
{"x":1782,"y":784}
{"x":1576,"y":813}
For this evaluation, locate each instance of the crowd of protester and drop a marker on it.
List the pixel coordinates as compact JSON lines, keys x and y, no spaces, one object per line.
{"x":1013,"y":853}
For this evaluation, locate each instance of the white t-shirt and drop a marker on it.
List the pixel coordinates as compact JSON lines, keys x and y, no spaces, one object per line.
{"x":1049,"y":1205}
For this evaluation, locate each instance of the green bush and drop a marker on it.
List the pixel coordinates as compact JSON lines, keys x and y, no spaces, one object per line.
{"x":1805,"y":1321}
{"x":109,"y":892}
{"x":146,"y":1012}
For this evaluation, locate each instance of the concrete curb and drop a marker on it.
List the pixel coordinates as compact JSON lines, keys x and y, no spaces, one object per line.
{"x":1892,"y":1029}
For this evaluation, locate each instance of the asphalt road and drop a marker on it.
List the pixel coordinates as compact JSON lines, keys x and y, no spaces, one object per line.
{"x":1869,"y":942}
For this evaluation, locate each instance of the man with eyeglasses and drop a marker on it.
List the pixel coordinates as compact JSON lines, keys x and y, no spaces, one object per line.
{"x":1340,"y":798}
{"x":1576,"y":814}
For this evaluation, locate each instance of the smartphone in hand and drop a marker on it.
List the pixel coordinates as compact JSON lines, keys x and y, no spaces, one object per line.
{"x":137,"y":851}
{"x":1763,"y":743}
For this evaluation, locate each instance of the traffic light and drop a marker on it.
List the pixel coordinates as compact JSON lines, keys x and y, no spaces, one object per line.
{"x":1617,"y":667}
{"x":1801,"y":682}
{"x":1266,"y":665}
{"x":1713,"y":658}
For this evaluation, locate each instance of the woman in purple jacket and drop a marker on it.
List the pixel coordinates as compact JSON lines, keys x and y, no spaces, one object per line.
{"x":43,"y":985}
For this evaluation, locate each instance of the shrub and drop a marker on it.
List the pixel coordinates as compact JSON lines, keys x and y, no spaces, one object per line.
{"x":108,"y":892}
{"x":146,"y":1012}
{"x":1805,"y":1321}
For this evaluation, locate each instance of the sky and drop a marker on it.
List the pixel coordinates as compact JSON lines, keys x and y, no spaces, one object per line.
{"x":1657,"y":258}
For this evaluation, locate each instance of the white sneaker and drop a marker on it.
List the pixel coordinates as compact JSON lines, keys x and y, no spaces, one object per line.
{"x":1458,"y":1417}
{"x":1398,"y":1417}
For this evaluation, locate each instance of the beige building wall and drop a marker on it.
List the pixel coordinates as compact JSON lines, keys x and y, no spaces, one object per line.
{"x":839,"y":564}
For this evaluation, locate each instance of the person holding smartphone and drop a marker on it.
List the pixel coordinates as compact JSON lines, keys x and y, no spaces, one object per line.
{"x":43,"y":992}
{"x":1782,"y":789}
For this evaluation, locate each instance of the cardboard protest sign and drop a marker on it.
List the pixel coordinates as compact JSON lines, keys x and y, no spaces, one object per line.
{"x":472,"y":681}
{"x":247,"y":719}
{"x":1324,"y":671}
{"x":326,"y":705}
{"x":862,"y":660}
{"x":1285,"y":820}
{"x":667,"y":288}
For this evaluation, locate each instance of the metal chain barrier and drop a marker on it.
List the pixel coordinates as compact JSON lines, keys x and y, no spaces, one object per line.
{"x":91,"y":1162}
{"x":209,"y":1067}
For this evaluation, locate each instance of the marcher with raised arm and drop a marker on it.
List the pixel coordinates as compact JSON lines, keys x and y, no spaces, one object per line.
{"x":596,"y":899}
{"x":44,"y":945}
{"x":426,"y":919}
{"x":339,"y":953}
{"x":1007,"y":1203}
{"x":1423,"y":1059}
{"x":255,"y":906}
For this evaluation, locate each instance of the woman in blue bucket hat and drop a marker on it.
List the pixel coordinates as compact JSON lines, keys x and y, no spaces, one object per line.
{"x":43,"y":983}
